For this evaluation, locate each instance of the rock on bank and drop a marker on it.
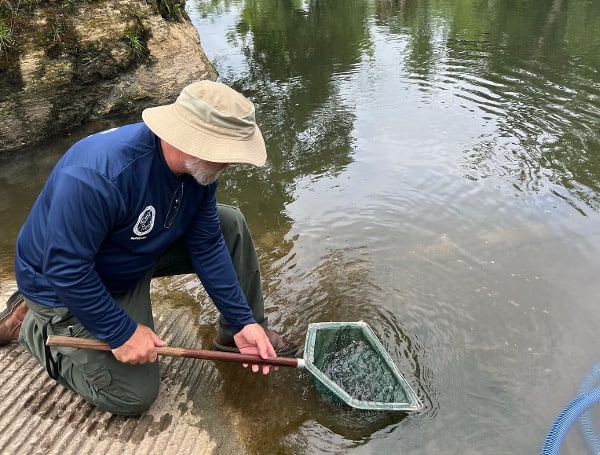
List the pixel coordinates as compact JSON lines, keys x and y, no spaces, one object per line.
{"x":63,"y":63}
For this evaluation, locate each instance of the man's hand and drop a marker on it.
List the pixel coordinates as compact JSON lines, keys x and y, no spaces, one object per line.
{"x":140,"y":347}
{"x":252,"y":339}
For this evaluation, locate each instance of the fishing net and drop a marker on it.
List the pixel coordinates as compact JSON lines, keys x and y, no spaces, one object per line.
{"x":350,"y":364}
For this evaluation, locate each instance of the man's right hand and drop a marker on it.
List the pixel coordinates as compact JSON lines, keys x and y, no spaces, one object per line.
{"x":253,"y":340}
{"x":140,"y":347}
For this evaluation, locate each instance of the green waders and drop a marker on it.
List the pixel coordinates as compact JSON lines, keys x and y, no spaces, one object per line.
{"x":97,"y":376}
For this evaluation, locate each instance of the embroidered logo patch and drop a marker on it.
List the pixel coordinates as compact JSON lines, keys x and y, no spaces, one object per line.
{"x":145,"y":221}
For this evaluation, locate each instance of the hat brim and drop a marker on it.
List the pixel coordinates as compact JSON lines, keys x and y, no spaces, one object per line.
{"x":168,"y":124}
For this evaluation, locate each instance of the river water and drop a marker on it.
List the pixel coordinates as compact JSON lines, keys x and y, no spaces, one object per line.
{"x":434,"y":170}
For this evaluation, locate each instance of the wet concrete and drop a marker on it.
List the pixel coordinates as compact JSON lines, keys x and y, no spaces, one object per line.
{"x":39,"y":416}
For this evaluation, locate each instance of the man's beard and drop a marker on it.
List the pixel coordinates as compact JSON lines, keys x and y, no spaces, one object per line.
{"x":203,"y":174}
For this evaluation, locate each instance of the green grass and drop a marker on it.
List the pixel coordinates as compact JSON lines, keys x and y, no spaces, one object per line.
{"x":171,"y":9}
{"x":136,"y":45}
{"x":7,"y":40}
{"x":67,"y":5}
{"x":56,"y":33}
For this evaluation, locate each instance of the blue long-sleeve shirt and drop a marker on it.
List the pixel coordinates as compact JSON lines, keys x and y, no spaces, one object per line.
{"x":107,"y":211}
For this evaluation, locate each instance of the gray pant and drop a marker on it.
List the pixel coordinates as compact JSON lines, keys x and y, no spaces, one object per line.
{"x":97,"y":376}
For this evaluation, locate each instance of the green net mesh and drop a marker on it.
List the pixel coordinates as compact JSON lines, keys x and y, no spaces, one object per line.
{"x":349,"y":363}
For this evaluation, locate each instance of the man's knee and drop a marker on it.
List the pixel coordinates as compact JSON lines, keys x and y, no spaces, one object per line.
{"x":131,"y":404}
{"x":108,"y":384}
{"x":129,"y":396}
{"x":232,"y":221}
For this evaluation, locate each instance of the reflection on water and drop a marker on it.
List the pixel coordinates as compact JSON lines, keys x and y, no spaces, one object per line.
{"x":22,"y":175}
{"x":435,"y":159}
{"x":433,"y":170}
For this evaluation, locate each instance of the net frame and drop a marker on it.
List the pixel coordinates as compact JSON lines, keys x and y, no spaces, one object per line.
{"x":412,"y":402}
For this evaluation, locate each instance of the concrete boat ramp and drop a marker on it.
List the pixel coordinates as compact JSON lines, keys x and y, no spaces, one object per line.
{"x":40,"y":416}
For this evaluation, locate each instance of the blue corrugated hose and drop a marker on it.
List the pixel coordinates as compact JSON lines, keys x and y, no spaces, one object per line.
{"x":578,"y":408}
{"x":585,"y":421}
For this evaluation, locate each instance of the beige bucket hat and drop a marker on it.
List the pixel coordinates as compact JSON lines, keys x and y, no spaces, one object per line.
{"x":211,"y":121}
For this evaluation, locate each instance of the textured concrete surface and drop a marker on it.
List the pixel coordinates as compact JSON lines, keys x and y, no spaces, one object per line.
{"x":39,"y":416}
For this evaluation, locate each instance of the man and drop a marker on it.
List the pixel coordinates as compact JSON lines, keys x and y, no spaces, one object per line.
{"x":126,"y":205}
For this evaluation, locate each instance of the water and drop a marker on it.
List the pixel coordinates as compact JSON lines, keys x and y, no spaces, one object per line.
{"x":434,"y":170}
